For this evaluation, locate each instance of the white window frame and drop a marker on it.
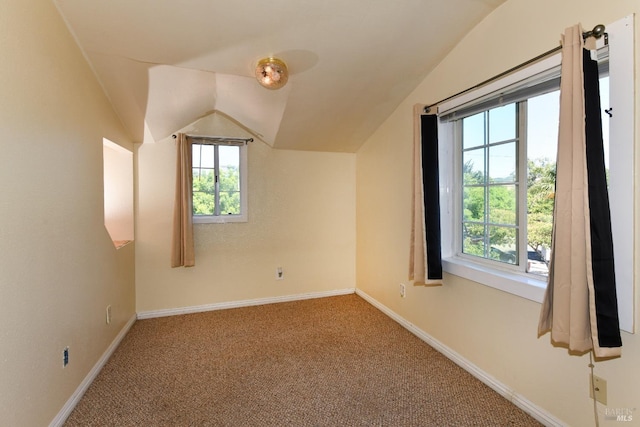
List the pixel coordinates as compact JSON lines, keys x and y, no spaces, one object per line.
{"x":243,"y":217}
{"x":621,"y":130}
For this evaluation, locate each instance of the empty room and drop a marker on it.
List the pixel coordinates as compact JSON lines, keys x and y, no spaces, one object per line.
{"x":407,"y":213}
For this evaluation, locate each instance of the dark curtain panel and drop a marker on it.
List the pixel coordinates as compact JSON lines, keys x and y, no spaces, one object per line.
{"x":604,"y":281}
{"x":431,"y":199}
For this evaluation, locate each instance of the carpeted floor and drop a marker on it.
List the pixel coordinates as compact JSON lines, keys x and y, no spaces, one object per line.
{"x":325,"y":362}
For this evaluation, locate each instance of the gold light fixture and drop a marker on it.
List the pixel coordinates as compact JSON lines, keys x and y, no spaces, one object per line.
{"x":272,"y":73}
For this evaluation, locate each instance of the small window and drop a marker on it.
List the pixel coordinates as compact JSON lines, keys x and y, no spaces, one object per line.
{"x":219,"y":183}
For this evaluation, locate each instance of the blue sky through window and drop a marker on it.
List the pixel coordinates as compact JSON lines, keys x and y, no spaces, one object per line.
{"x":543,"y":116}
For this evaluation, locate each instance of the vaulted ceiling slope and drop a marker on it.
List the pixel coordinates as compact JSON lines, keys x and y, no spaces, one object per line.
{"x":164,"y":64}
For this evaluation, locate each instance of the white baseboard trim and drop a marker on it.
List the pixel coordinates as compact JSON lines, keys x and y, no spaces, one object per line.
{"x":243,"y":303}
{"x":64,"y":413}
{"x":520,"y":401}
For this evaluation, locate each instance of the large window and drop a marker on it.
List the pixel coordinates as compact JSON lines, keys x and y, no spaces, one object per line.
{"x":497,"y":151}
{"x":219,"y":177}
{"x":508,"y":156}
{"x":507,"y":179}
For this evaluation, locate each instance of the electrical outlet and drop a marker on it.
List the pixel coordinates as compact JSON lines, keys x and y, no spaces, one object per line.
{"x":108,"y":315}
{"x":599,"y":387}
{"x":279,"y":273}
{"x":402,"y":290}
{"x":65,"y":357}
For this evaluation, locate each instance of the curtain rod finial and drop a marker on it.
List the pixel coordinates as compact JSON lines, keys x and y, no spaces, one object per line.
{"x":598,"y":31}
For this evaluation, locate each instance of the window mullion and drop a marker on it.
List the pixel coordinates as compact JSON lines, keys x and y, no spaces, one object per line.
{"x":458,"y":190}
{"x":487,"y":240}
{"x":216,"y":166}
{"x":522,"y":206}
{"x":199,"y":167}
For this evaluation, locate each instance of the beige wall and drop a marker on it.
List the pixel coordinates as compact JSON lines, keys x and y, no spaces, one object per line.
{"x":494,"y":330}
{"x":301,"y":218}
{"x":58,"y":269}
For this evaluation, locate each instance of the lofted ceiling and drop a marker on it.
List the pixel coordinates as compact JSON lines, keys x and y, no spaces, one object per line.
{"x":166,"y":63}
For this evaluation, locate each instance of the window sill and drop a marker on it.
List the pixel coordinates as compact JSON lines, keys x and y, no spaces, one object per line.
{"x":222,"y":219}
{"x":517,"y":284}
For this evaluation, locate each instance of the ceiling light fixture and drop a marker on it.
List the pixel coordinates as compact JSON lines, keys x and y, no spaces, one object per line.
{"x":272,"y":73}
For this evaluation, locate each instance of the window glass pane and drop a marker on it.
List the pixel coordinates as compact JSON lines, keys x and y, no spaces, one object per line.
{"x":502,"y":204}
{"x":502,"y":123}
{"x":473,"y":241}
{"x":473,"y":131}
{"x":229,"y":180}
{"x":204,"y":193}
{"x":473,"y":166}
{"x":473,"y":204}
{"x":502,"y":163}
{"x":543,"y":115}
{"x":207,"y":156}
{"x":539,"y":228}
{"x":195,"y":155}
{"x":229,"y":168}
{"x":230,"y":203}
{"x":204,"y":199}
{"x":229,"y":156}
{"x":503,"y":244}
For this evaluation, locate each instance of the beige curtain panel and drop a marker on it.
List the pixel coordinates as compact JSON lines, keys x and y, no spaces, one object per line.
{"x":580,"y":306}
{"x":182,"y":249}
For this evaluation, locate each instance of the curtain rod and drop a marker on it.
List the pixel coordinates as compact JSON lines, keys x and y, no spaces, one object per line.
{"x":218,"y":139}
{"x":597,"y":32}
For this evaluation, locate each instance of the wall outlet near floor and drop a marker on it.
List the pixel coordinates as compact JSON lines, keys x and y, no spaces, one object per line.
{"x":279,"y":273}
{"x":599,"y":387}
{"x":65,"y":357}
{"x":402,"y":290}
{"x":108,"y":315}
